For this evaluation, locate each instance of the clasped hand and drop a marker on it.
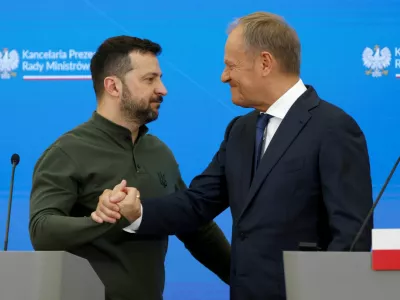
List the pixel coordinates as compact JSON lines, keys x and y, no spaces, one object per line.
{"x":121,"y":201}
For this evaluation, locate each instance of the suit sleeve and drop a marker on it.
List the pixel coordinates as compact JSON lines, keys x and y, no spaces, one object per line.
{"x":54,"y":192}
{"x":187,"y":210}
{"x":346,"y":184}
{"x":208,"y":245}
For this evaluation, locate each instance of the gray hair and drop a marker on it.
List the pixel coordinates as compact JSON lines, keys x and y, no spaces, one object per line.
{"x":269,"y":32}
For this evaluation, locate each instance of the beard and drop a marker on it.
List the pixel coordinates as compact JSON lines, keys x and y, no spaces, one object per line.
{"x":138,"y":110}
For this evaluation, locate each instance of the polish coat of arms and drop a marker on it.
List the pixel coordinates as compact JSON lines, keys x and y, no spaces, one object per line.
{"x":9,"y":61}
{"x":376,"y":60}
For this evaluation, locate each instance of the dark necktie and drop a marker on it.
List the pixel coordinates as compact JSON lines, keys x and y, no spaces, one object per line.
{"x":262,"y":122}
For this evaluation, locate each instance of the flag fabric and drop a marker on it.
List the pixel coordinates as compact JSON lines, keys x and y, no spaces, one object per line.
{"x":385,"y":249}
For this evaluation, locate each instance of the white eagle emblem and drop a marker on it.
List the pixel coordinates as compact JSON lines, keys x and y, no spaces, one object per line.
{"x":9,"y":61}
{"x":376,"y":62}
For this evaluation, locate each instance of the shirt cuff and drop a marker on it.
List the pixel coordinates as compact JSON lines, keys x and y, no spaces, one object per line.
{"x":136,"y":224}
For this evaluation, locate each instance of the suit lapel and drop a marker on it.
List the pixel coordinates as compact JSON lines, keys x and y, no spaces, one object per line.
{"x":291,"y":126}
{"x":249,"y":136}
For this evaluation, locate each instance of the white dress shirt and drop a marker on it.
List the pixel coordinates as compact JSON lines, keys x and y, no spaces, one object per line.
{"x":278,"y":111}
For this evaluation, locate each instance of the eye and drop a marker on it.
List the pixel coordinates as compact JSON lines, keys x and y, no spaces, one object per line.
{"x":150,"y":80}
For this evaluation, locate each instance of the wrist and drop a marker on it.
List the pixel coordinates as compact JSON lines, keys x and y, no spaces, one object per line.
{"x":132,"y":216}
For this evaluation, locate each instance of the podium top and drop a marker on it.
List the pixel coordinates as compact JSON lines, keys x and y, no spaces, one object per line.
{"x":48,"y":275}
{"x":337,"y":275}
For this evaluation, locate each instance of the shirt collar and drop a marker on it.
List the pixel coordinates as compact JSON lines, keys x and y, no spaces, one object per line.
{"x":117,"y":131}
{"x":280,"y":108}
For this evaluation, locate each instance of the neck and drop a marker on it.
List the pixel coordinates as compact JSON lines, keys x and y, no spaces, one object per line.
{"x":113,"y":114}
{"x":276,"y":89}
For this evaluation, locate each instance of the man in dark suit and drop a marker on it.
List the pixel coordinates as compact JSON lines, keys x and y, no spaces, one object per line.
{"x":294,"y":170}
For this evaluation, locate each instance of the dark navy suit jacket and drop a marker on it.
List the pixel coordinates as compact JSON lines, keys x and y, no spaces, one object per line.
{"x":313,"y":185}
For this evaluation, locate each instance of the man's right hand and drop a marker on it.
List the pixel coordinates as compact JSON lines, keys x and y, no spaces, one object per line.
{"x":121,"y":200}
{"x":130,"y":207}
{"x":106,"y":210}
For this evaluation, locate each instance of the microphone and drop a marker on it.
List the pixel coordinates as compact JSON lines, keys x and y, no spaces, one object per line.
{"x":14,"y":162}
{"x":371,"y":211}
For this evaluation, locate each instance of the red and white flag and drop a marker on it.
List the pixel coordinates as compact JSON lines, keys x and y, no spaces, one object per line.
{"x":385,"y":249}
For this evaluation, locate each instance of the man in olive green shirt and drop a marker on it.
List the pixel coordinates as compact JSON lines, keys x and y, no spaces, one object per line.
{"x":115,"y":145}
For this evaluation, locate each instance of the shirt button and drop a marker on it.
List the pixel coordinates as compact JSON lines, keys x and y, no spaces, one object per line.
{"x":242,"y":236}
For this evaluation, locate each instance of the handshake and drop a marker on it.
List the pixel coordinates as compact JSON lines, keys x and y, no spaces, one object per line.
{"x":121,"y":201}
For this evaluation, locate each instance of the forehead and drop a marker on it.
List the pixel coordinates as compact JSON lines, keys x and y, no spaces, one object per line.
{"x":234,"y":46}
{"x":144,"y":63}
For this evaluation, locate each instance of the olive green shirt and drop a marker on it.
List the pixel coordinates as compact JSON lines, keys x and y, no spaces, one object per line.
{"x":68,"y":179}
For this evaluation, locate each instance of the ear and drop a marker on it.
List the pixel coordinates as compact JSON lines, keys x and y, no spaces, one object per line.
{"x":113,"y":86}
{"x":266,"y":63}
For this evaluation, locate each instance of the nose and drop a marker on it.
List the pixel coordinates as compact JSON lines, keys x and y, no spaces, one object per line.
{"x":161,"y":90}
{"x":225,"y":76}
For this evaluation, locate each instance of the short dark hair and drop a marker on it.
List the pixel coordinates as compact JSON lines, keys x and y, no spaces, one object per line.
{"x":112,"y":58}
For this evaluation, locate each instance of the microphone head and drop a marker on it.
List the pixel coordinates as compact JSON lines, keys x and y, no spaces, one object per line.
{"x":15,"y":159}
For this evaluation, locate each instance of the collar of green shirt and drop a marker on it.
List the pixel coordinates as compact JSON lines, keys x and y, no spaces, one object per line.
{"x":117,"y":132}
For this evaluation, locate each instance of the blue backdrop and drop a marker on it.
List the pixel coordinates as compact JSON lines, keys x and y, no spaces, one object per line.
{"x":37,"y":109}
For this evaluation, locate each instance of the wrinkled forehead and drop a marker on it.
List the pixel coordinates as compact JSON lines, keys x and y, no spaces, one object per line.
{"x":234,"y":47}
{"x":145,"y":63}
